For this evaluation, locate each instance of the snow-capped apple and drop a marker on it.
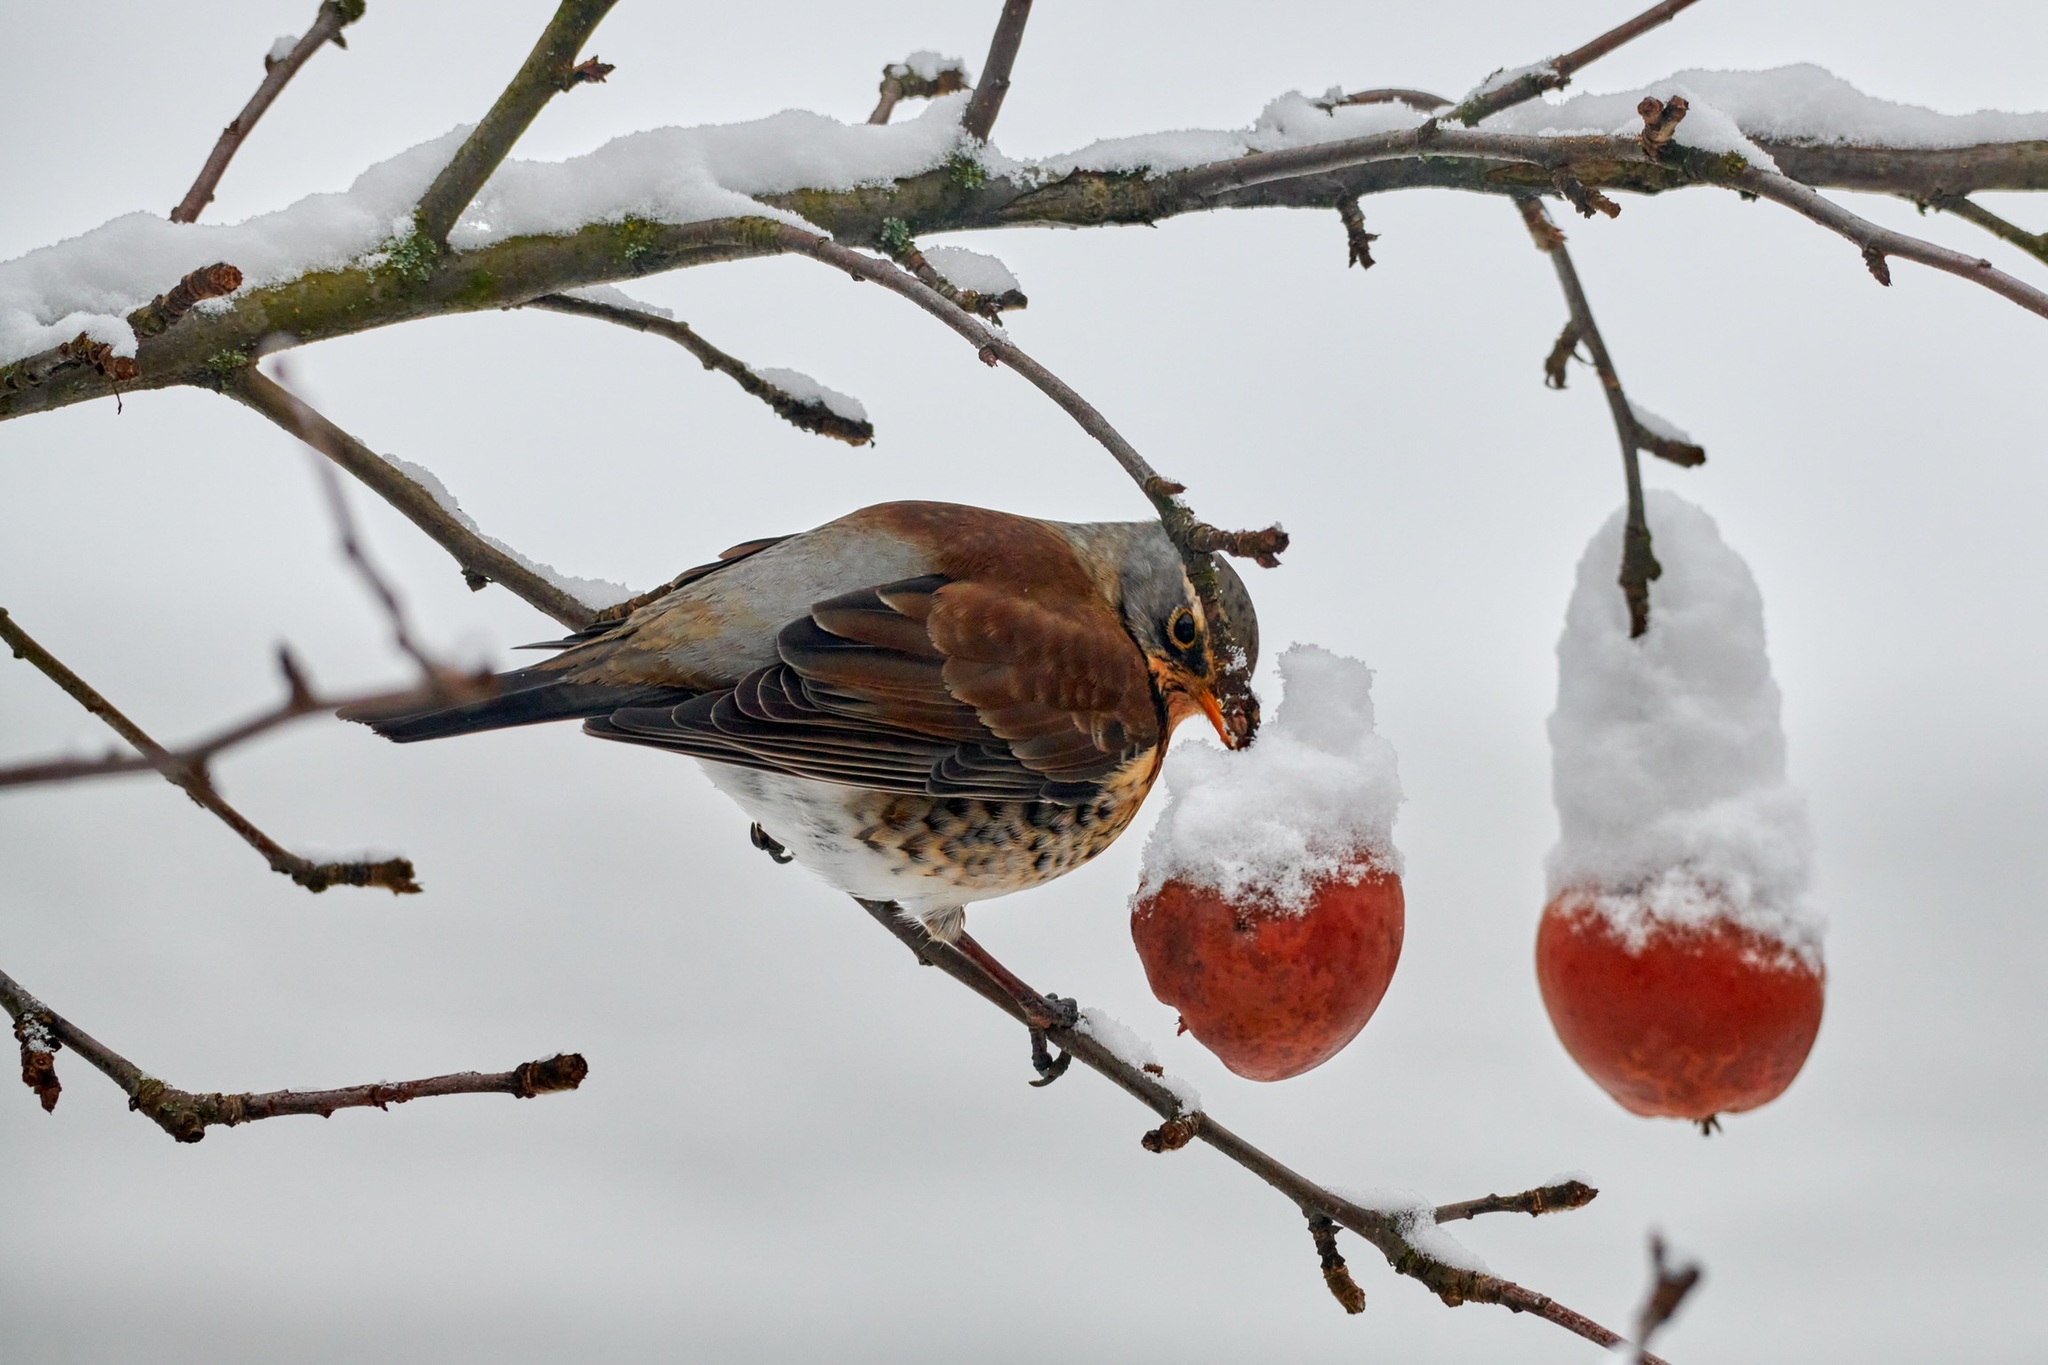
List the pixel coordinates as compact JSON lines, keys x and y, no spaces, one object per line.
{"x":1271,"y":910}
{"x":1679,"y":954}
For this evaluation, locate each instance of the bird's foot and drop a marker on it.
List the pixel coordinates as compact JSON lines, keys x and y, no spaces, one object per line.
{"x":1049,"y":1067}
{"x":770,"y":845}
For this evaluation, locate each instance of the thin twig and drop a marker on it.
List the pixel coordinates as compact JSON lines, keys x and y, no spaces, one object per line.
{"x":901,"y":82}
{"x":1419,"y":100}
{"x":393,"y":874}
{"x":300,"y":703}
{"x":1336,"y":1274}
{"x":1558,"y":1198}
{"x":186,"y":1116}
{"x":333,"y":17}
{"x":808,"y":416}
{"x":1878,"y":243}
{"x":1639,"y":567}
{"x":547,"y":71}
{"x":1383,"y":1230}
{"x":1669,"y":1286}
{"x":1356,"y":237}
{"x":981,"y":113}
{"x":480,"y":561}
{"x":2035,"y":244}
{"x":1558,"y":71}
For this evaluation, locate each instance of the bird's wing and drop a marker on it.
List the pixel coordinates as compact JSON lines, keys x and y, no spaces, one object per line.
{"x":930,"y":685}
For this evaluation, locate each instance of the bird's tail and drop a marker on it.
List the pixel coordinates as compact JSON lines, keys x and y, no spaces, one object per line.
{"x":526,"y":696}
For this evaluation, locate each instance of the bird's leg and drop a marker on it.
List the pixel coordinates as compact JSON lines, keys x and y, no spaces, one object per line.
{"x":1041,"y":1012}
{"x":769,"y":844}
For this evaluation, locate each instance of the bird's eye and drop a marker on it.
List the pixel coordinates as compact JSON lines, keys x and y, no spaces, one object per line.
{"x":1181,"y":628}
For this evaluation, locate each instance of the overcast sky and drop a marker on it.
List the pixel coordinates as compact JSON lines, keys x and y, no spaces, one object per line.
{"x":793,"y":1143}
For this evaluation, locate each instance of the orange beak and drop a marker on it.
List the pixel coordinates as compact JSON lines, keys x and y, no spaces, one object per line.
{"x":1234,"y":731}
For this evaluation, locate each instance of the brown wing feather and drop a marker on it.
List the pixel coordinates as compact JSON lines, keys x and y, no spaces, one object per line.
{"x":994,"y":689}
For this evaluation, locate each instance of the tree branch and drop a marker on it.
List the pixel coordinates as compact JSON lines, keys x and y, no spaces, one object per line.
{"x":393,"y":874}
{"x":987,"y":102}
{"x":153,"y":319}
{"x":807,"y":416}
{"x":1669,"y":1286}
{"x":478,"y":558}
{"x":2035,"y":244}
{"x":1878,"y":243}
{"x":1639,"y":566}
{"x":186,"y":1116}
{"x":1387,"y":1232}
{"x":1558,"y":1198}
{"x":1557,"y":73}
{"x":547,"y":71}
{"x":332,"y":18}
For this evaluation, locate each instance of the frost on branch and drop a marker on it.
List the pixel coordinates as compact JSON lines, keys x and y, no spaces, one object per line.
{"x":1314,"y":799}
{"x":1668,"y":752}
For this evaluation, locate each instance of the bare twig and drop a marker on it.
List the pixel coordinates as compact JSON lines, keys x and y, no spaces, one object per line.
{"x":480,"y":560}
{"x":1639,"y":567}
{"x":332,"y":18}
{"x":901,"y":81}
{"x":2035,"y":244}
{"x":1668,"y":1288}
{"x":1383,"y":1230}
{"x":1336,"y":1274}
{"x":446,"y":690}
{"x":1196,"y":539}
{"x":1358,"y":239}
{"x":808,"y":416}
{"x":1558,"y":1198}
{"x":547,"y":71}
{"x":393,"y":874}
{"x":1420,"y":100}
{"x":1878,"y":243}
{"x":1558,"y":71}
{"x":981,"y":113}
{"x":186,"y":1116}
{"x":168,"y":309}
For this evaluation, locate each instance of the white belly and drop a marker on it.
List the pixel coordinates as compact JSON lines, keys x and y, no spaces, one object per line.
{"x":821,"y":824}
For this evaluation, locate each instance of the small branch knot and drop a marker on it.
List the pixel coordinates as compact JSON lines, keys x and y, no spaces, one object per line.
{"x":1336,"y":1274}
{"x":39,"y":1057}
{"x":1355,"y":234}
{"x":590,"y":72}
{"x":1880,"y":267}
{"x":565,"y":1071}
{"x":1562,"y":352}
{"x":1660,"y":122}
{"x":1172,"y":1135}
{"x":1586,"y":200}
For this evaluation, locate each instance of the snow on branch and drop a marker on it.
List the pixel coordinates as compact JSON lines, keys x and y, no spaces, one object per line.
{"x":796,"y":398}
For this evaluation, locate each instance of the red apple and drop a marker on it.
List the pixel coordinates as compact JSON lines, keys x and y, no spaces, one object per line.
{"x":1273,"y":993}
{"x":1693,"y":1021}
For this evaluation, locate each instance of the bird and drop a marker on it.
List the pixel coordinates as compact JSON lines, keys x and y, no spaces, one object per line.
{"x":924,"y":703}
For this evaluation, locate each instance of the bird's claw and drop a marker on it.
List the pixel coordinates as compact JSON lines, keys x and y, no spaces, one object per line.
{"x":1048,"y":1067}
{"x":769,"y":845}
{"x":1054,"y":1012}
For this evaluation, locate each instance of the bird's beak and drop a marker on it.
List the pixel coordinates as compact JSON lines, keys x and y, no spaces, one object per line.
{"x":1234,"y":727}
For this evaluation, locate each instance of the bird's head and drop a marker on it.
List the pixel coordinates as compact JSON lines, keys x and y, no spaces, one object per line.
{"x":1201,"y":650}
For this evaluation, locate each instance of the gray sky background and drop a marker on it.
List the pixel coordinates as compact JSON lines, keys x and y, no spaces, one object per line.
{"x":793,"y":1143}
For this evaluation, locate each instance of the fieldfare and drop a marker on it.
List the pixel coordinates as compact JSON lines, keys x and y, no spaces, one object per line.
{"x":924,"y":703}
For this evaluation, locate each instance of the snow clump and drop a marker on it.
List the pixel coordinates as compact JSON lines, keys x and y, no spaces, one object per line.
{"x":809,"y":391}
{"x":972,"y":271}
{"x":1313,"y":799}
{"x":1127,"y":1047}
{"x":1668,"y":755}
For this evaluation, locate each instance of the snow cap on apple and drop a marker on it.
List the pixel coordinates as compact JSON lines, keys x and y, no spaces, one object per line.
{"x":1668,"y":753}
{"x":1313,"y":799}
